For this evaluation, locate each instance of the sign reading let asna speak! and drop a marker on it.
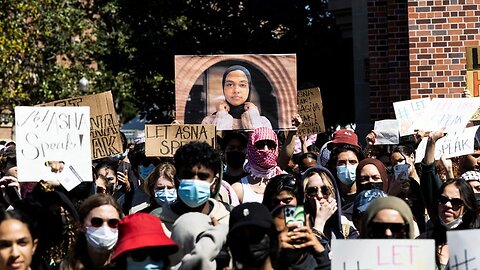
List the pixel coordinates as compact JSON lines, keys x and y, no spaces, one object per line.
{"x":53,"y":134}
{"x":105,"y":128}
{"x":164,"y":140}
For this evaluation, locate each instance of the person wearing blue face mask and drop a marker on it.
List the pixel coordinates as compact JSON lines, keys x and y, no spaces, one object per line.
{"x":343,"y":163}
{"x":160,"y":186}
{"x":142,"y":244}
{"x":197,"y":165}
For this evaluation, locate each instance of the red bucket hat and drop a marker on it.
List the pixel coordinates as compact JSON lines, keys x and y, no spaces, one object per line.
{"x":142,"y":230}
{"x":344,"y":136}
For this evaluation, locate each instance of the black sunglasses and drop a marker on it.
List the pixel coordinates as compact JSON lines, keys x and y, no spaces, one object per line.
{"x":313,"y":191}
{"x":398,"y":230}
{"x":261,"y":144}
{"x":456,"y":202}
{"x":98,"y":222}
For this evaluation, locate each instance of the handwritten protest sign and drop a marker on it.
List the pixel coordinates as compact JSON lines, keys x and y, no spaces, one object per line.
{"x":407,"y":111}
{"x":386,"y":132}
{"x":463,"y":249}
{"x":452,"y":114}
{"x":164,"y":140}
{"x":310,"y":108}
{"x":105,"y":128}
{"x":46,"y":134}
{"x":379,"y":254}
{"x":452,"y":145}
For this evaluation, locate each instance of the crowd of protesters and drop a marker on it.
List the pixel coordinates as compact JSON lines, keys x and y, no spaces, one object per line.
{"x":226,"y":208}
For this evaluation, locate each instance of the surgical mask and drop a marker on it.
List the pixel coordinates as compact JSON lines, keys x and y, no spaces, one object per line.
{"x":346,"y":174}
{"x":251,"y":254}
{"x":235,"y":159}
{"x":165,"y":195}
{"x":147,"y":264}
{"x":452,"y":224}
{"x":145,"y":171}
{"x":121,"y":155}
{"x":194,"y":192}
{"x":477,"y":197}
{"x":372,"y":185}
{"x":103,"y":238}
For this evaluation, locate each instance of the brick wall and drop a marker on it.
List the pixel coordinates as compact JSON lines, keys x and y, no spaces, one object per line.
{"x":388,"y":64}
{"x":440,"y":30}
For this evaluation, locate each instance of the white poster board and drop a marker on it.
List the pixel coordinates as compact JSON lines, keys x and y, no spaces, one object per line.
{"x":452,"y":145}
{"x":383,"y":254}
{"x":407,"y":111}
{"x":46,"y":134}
{"x":453,"y":114}
{"x":387,"y":132}
{"x":463,"y":249}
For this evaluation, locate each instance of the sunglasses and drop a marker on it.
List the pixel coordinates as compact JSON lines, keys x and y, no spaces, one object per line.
{"x":313,"y":191}
{"x":140,"y":255}
{"x":398,"y":230}
{"x":455,"y":202}
{"x":98,"y":222}
{"x":261,"y":144}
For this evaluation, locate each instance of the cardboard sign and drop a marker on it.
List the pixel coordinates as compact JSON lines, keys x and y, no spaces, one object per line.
{"x":452,"y":145}
{"x":407,"y":111}
{"x":379,"y":254}
{"x":387,"y":132}
{"x":310,"y":108}
{"x":452,"y":114}
{"x":105,"y":128}
{"x":236,"y":91}
{"x":164,"y":140}
{"x":53,"y":134}
{"x":463,"y":249}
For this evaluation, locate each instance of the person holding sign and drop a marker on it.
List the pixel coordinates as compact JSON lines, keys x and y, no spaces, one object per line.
{"x":236,"y":111}
{"x":451,"y":204}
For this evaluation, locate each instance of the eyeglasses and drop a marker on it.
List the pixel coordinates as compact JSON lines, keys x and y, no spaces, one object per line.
{"x":98,"y":222}
{"x":261,"y":144}
{"x":455,"y":202}
{"x":313,"y":191}
{"x":378,"y":229}
{"x":140,"y":255}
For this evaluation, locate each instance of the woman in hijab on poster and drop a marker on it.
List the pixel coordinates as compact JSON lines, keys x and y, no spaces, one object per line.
{"x":236,"y":111}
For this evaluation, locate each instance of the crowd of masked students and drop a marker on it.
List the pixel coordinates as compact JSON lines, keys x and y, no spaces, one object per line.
{"x":228,"y":208}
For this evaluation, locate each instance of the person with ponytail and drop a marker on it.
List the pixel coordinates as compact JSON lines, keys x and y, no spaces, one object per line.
{"x":236,"y":111}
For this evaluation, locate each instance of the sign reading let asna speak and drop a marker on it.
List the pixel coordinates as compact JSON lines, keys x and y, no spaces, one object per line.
{"x":105,"y":128}
{"x":53,"y":134}
{"x":164,"y":140}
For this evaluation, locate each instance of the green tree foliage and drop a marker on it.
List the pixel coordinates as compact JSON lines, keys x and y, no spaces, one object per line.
{"x":146,"y":36}
{"x":128,"y":47}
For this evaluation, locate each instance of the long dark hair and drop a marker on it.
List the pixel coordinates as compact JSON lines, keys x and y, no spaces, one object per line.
{"x":279,"y":183}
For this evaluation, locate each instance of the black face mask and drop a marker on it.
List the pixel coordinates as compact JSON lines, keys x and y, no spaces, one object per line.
{"x":251,"y":254}
{"x":235,"y":159}
{"x":372,"y":185}
{"x":290,"y":257}
{"x":477,"y":197}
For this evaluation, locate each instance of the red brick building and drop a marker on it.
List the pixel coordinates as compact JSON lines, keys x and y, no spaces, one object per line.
{"x":416,"y":48}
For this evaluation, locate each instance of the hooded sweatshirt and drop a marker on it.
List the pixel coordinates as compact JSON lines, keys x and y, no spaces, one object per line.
{"x":388,"y":203}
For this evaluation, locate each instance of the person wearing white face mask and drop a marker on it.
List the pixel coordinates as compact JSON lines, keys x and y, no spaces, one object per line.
{"x":99,"y":216}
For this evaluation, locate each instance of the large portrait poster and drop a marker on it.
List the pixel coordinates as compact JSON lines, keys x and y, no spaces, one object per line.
{"x":236,"y":91}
